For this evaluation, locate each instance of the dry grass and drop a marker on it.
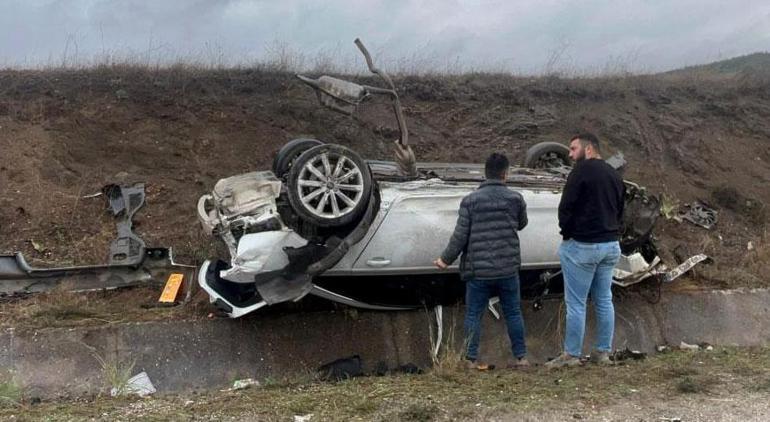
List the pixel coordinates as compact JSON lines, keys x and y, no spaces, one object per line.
{"x":62,"y":308}
{"x":11,"y":393}
{"x":451,"y":351}
{"x":473,"y":395}
{"x":115,"y":373}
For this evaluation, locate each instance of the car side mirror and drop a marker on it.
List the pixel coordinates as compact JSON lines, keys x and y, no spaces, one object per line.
{"x":337,"y":94}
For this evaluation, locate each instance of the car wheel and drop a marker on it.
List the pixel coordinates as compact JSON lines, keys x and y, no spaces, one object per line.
{"x":289,"y":152}
{"x":547,"y":155}
{"x":329,"y":185}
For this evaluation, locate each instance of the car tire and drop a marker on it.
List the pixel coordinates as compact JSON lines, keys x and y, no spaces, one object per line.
{"x":329,"y":186}
{"x":288,"y":153}
{"x":547,"y":155}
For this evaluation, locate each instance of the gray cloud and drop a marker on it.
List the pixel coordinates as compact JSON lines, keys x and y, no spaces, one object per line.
{"x":529,"y":36}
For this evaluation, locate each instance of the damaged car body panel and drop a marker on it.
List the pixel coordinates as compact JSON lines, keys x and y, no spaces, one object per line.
{"x":125,"y":201}
{"x":416,"y":219}
{"x":18,"y":277}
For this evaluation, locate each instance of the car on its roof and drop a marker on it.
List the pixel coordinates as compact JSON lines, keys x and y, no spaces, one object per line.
{"x":326,"y":222}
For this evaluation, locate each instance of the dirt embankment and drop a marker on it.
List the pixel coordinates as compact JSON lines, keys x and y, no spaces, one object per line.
{"x":65,"y":134}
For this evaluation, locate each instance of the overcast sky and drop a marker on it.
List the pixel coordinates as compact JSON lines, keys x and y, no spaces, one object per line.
{"x":528,"y":36}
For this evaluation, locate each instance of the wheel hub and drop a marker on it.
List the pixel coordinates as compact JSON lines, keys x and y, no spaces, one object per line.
{"x":330,"y":185}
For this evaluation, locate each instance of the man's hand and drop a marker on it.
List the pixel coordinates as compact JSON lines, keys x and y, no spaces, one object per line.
{"x":440,"y":264}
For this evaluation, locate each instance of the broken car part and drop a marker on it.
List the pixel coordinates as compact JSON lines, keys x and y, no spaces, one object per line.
{"x":18,"y":277}
{"x":684,"y":267}
{"x":634,"y":268}
{"x":640,"y":213}
{"x":545,"y":280}
{"x":139,"y":385}
{"x":273,"y":266}
{"x":127,"y":248}
{"x":700,"y":214}
{"x":439,"y":311}
{"x":617,"y":161}
{"x":344,"y":96}
{"x":628,"y":354}
{"x":240,"y":205}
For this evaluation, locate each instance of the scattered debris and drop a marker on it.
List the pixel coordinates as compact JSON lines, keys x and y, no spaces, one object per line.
{"x":685,"y":266}
{"x":690,"y":347}
{"x":673,"y":419}
{"x":121,"y":94}
{"x":439,"y":310}
{"x":124,"y":201}
{"x":750,"y":246}
{"x":244,"y":384}
{"x":139,"y":384}
{"x":171,"y":289}
{"x":663,"y":349}
{"x":93,"y":195}
{"x":382,"y":369}
{"x":341,"y":369}
{"x":632,"y":269}
{"x":669,"y":208}
{"x":491,"y":306}
{"x":303,"y":418}
{"x":545,"y":279}
{"x":700,"y":214}
{"x":408,"y":368}
{"x":617,"y":161}
{"x":628,"y":354}
{"x":36,"y":246}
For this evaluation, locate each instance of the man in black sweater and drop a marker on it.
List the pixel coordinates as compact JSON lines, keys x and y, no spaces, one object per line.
{"x":590,"y":218}
{"x":486,"y":236}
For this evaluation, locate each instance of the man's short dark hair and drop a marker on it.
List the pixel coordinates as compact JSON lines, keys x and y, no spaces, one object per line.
{"x":496,"y":166}
{"x":587,"y":139}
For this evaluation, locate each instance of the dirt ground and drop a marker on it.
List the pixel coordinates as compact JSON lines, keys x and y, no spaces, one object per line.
{"x":723,"y":384}
{"x":65,"y":134}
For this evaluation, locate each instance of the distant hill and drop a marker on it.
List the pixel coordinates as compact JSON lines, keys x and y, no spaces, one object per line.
{"x":750,"y":63}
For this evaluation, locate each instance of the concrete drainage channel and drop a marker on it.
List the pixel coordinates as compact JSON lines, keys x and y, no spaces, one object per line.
{"x":203,"y":355}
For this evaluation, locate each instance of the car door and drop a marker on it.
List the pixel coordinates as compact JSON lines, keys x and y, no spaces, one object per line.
{"x":420,"y":219}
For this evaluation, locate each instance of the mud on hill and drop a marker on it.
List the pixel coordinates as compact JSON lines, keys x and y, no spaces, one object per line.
{"x":64,"y":134}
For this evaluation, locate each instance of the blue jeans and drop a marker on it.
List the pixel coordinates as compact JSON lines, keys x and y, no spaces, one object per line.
{"x":587,"y":268}
{"x":477,"y":295}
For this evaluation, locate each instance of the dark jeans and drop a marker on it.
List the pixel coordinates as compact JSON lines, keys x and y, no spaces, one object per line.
{"x":477,"y":295}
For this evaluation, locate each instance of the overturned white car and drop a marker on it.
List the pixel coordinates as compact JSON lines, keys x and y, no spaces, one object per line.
{"x":326,"y":222}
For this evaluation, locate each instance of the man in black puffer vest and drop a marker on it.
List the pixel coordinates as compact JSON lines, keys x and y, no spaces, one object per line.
{"x":486,"y":235}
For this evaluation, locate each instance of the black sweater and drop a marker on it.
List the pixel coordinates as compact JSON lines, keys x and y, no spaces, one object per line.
{"x":591,"y":207}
